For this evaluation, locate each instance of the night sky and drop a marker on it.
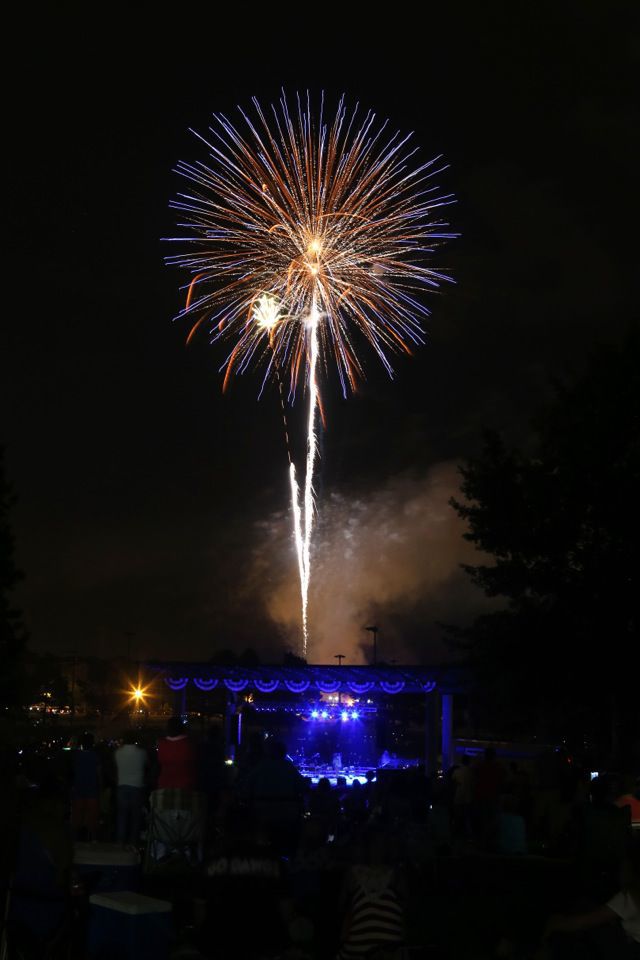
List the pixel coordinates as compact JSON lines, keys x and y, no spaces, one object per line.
{"x":152,"y":510}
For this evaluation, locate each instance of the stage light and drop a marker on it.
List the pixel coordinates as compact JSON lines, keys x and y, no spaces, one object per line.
{"x":345,"y":715}
{"x":354,"y":715}
{"x":324,"y":714}
{"x":314,"y":714}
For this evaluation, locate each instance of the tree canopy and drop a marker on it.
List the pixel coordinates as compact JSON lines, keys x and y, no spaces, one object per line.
{"x":558,"y":525}
{"x":12,"y":636}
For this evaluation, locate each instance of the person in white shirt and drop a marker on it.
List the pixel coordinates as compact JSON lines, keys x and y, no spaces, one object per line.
{"x":131,"y":764}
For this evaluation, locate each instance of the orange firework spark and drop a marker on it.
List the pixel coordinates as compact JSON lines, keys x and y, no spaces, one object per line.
{"x":293,"y":207}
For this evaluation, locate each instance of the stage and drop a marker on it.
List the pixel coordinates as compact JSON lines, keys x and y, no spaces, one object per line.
{"x":332,"y":718}
{"x":348,"y":774}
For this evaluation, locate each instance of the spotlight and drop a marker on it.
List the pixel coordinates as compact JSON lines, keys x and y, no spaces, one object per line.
{"x":314,"y":714}
{"x":345,"y":715}
{"x":354,"y":715}
{"x":324,"y":714}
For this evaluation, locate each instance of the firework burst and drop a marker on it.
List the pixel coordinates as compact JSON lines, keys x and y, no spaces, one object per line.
{"x":307,"y":239}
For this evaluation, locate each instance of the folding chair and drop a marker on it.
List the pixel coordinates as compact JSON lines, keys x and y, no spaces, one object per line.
{"x":22,"y":938}
{"x":175,"y":830}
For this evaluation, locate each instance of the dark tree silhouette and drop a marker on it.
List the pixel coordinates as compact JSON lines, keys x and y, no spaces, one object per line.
{"x":559,"y":523}
{"x":12,"y":634}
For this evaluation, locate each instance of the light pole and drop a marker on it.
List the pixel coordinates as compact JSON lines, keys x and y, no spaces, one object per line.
{"x":72,"y":658}
{"x":73,"y":687}
{"x":129,"y":637}
{"x":339,"y":657}
{"x":374,"y":631}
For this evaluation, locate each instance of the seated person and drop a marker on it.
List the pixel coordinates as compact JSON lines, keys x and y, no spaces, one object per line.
{"x":41,"y":891}
{"x":374,"y":919}
{"x":611,"y":931}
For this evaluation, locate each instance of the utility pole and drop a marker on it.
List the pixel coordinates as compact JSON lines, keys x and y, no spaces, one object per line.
{"x":128,"y":635}
{"x":74,"y":661}
{"x":339,"y":657}
{"x":374,"y":631}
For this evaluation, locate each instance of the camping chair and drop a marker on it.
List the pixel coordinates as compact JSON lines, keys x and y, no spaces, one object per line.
{"x":39,"y":916}
{"x":23,"y":937}
{"x":175,"y":830}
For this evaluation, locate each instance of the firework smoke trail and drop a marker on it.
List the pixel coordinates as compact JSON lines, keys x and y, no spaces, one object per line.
{"x":268,"y":315}
{"x":299,"y":542}
{"x":312,"y":450}
{"x":297,"y":213}
{"x":302,"y":529}
{"x":297,"y":515}
{"x":297,"y":520}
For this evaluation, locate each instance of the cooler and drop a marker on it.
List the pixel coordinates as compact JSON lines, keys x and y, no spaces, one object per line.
{"x":128,"y":926}
{"x":106,"y":866}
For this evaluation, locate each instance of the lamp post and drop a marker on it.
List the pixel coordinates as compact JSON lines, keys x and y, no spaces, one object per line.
{"x":374,"y":631}
{"x":339,"y":657}
{"x":72,"y":658}
{"x":128,"y":636}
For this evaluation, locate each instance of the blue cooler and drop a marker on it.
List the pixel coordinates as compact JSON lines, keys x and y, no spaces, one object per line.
{"x":128,"y":926}
{"x":106,"y":866}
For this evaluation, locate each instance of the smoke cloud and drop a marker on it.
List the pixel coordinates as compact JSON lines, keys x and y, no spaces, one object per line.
{"x":389,"y":558}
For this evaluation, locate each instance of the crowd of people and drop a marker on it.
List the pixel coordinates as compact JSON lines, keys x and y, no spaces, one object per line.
{"x":285,"y":867}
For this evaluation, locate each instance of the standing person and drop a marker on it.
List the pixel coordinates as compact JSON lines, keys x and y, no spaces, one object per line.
{"x":462,"y":797}
{"x":630,"y":797}
{"x":275,"y":789}
{"x":85,"y":789}
{"x":176,"y":758}
{"x":602,"y":836}
{"x":489,"y":778}
{"x":177,"y":808}
{"x":131,"y":765}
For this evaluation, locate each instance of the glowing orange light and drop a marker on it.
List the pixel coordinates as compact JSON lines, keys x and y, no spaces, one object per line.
{"x":137,"y":694}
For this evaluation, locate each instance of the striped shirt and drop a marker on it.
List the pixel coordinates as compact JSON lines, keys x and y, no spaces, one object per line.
{"x":375,"y":912}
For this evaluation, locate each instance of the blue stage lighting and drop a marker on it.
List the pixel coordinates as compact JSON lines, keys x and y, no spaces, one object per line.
{"x":315,"y":714}
{"x":354,"y":715}
{"x":345,"y":715}
{"x":324,"y":714}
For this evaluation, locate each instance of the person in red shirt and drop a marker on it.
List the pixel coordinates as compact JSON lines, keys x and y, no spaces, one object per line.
{"x":176,"y":758}
{"x":630,"y":797}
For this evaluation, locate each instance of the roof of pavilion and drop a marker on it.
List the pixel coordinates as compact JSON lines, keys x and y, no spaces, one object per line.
{"x":314,"y":678}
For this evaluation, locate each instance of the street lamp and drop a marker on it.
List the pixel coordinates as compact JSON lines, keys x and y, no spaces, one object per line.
{"x":374,"y":631}
{"x":339,"y":657}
